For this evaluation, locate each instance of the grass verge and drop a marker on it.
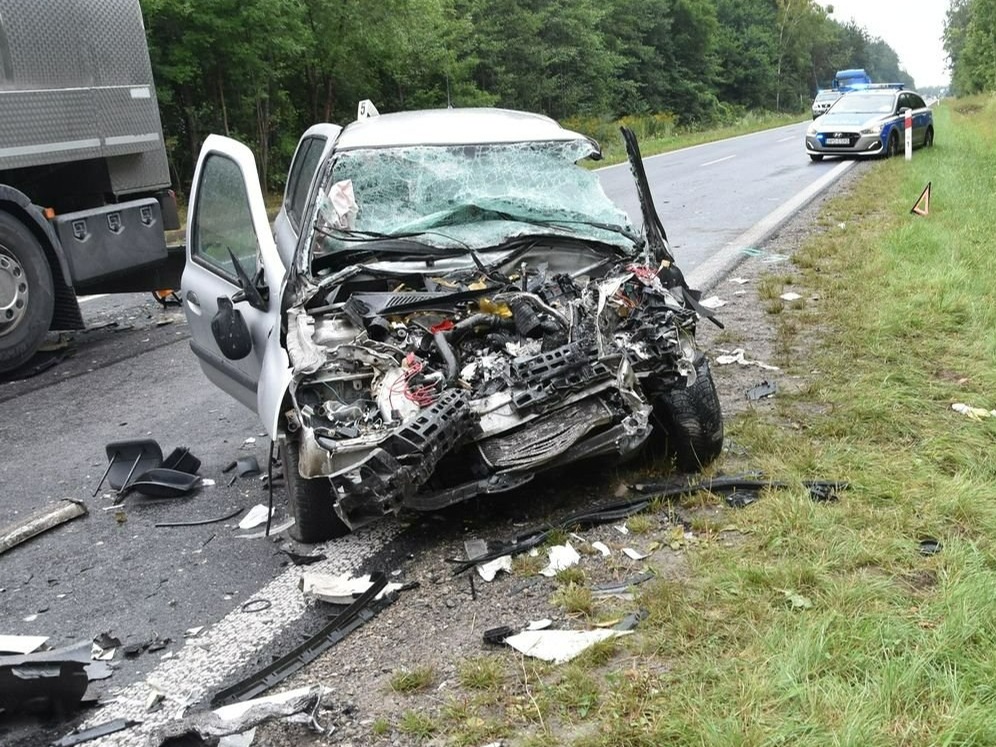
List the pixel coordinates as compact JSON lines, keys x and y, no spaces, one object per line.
{"x":824,"y":623}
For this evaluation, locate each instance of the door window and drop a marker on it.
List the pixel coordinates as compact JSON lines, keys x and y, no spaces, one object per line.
{"x":222,"y":219}
{"x":302,"y":171}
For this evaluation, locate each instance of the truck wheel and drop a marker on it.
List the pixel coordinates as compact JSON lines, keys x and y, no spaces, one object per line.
{"x":692,"y":421}
{"x":310,"y":501}
{"x":27,"y":296}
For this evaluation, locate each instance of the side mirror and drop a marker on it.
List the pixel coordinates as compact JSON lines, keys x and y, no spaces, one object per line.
{"x":231,"y":331}
{"x":250,"y":293}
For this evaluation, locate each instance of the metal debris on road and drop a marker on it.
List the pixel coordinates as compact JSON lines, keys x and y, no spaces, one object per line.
{"x":297,"y":559}
{"x":21,"y":644}
{"x":359,"y":612}
{"x":256,"y":605}
{"x":95,"y":732}
{"x":54,"y":679}
{"x":201,"y":522}
{"x":15,"y":534}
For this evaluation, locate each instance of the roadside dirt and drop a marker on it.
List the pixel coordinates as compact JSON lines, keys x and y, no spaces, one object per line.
{"x":439,"y":625}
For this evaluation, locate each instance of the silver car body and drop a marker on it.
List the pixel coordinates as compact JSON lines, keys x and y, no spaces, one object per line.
{"x":449,"y":304}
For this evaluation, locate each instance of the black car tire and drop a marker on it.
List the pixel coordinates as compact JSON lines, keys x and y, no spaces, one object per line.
{"x":816,"y":157}
{"x":928,"y":138}
{"x":25,"y":323}
{"x":310,"y":501}
{"x":692,"y":421}
{"x":892,"y":149}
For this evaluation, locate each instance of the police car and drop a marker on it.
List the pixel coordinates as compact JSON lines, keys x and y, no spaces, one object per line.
{"x":870,"y":122}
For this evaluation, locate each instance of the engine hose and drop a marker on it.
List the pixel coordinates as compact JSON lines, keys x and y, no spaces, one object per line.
{"x":447,"y":352}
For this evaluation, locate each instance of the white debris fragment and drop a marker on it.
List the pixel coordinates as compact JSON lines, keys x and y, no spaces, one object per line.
{"x":274,"y":530}
{"x":790,"y":296}
{"x":559,"y":646}
{"x":489,"y":570}
{"x":193,"y":632}
{"x":257,"y":515}
{"x":30,"y":618}
{"x":740,"y":281}
{"x":561,"y":557}
{"x":539,"y":624}
{"x":343,"y":589}
{"x":602,"y":548}
{"x":737,"y":356}
{"x":975,"y":413}
{"x":21,"y":644}
{"x":238,"y":740}
{"x":621,"y":528}
{"x":713,"y":302}
{"x":634,"y":554}
{"x":249,"y":442}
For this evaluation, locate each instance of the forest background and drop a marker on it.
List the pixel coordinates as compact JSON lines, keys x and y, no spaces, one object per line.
{"x":262,"y":71}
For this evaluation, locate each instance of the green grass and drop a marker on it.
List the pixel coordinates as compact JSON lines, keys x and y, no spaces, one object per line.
{"x":412,"y":680}
{"x":822,"y":623}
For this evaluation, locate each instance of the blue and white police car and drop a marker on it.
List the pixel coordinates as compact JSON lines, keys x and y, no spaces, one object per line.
{"x":870,"y":122}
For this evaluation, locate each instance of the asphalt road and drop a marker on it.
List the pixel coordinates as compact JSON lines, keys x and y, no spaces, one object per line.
{"x":132,"y":375}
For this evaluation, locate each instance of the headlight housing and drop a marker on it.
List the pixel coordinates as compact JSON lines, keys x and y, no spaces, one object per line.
{"x":875,"y":129}
{"x":811,"y":130}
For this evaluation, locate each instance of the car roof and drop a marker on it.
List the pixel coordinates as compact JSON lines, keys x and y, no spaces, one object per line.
{"x":471,"y":126}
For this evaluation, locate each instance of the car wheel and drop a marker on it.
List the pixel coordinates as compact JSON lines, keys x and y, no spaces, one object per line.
{"x":816,"y":157}
{"x":310,"y":501}
{"x":928,"y":138}
{"x":892,"y":148}
{"x":692,"y":421}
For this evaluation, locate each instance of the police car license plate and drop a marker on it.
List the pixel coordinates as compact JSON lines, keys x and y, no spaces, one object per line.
{"x":837,"y":141}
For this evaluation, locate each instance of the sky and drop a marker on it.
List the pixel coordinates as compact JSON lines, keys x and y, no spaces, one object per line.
{"x":913,"y":28}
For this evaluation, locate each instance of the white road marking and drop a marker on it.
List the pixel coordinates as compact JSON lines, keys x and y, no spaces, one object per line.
{"x":786,"y":139}
{"x":708,"y":273}
{"x":719,"y":160}
{"x":205,"y":663}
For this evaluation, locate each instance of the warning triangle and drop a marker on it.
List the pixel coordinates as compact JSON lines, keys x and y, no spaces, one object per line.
{"x":922,"y":206}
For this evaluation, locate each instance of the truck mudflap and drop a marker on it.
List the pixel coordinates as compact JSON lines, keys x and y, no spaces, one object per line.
{"x":105,"y":242}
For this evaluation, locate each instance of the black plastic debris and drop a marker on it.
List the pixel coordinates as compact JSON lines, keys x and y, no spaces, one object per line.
{"x":182,"y":460}
{"x":163,"y":483}
{"x":358,"y":613}
{"x":156,"y":644}
{"x":47,"y":680}
{"x":764,"y":389}
{"x":126,"y":459}
{"x":95,"y":732}
{"x":201,"y":522}
{"x":630,"y":621}
{"x":497,"y":636}
{"x":106,"y":641}
{"x":930,"y":546}
{"x":620,"y":587}
{"x":247,"y":466}
{"x":303,"y":559}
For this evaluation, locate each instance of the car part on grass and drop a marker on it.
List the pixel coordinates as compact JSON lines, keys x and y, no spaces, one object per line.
{"x":559,"y":646}
{"x":630,"y":621}
{"x":201,"y":522}
{"x":342,"y":589}
{"x":54,"y":680}
{"x":623,"y":586}
{"x":737,"y":356}
{"x":240,"y":717}
{"x":65,"y":510}
{"x":496,"y":636}
{"x":95,"y":732}
{"x":930,"y":546}
{"x":820,"y":490}
{"x":358,"y":613}
{"x":764,"y":389}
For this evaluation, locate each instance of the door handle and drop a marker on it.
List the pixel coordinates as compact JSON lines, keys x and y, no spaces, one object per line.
{"x":192,"y":299}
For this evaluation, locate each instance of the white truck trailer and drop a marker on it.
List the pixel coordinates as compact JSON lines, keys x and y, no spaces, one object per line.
{"x":85,"y":195}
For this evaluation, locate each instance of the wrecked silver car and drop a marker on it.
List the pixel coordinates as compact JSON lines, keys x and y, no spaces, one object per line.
{"x":447,"y":304}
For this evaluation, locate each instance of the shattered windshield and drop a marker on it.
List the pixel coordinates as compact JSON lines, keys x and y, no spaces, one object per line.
{"x":467,"y":196}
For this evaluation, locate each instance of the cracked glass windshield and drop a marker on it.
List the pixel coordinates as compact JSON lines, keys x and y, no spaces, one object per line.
{"x":466,"y":196}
